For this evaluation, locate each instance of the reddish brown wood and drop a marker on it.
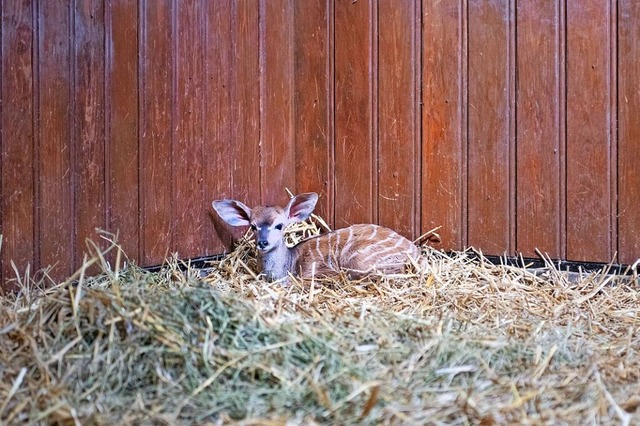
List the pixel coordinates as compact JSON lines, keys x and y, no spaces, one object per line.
{"x":156,"y":171}
{"x":443,"y":121}
{"x":17,"y":118}
{"x":397,"y":116}
{"x":141,"y":113}
{"x":490,"y":138}
{"x":629,"y":131}
{"x":218,"y":152}
{"x":354,"y":139}
{"x":276,"y":128}
{"x":313,"y":44}
{"x":89,"y":135}
{"x":588,"y":131}
{"x":245,"y":112}
{"x":122,"y":123}
{"x":55,"y":196}
{"x":417,"y":119}
{"x":189,"y":214}
{"x":540,"y":138}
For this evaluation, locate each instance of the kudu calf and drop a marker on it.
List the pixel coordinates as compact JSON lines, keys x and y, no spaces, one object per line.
{"x":358,"y":249}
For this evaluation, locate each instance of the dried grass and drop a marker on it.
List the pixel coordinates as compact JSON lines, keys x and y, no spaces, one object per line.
{"x":457,"y":341}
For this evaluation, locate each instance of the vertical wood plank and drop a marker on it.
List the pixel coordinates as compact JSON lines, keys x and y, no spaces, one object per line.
{"x":629,"y":131}
{"x":490,"y":139}
{"x":276,"y":129}
{"x":55,"y":199}
{"x":89,"y":125}
{"x":18,"y":189}
{"x":237,"y":100}
{"x":417,"y":117}
{"x":156,"y":171}
{"x":122,"y":122}
{"x":245,"y":100}
{"x":397,"y":116}
{"x":540,"y":134}
{"x":354,"y":151}
{"x":588,"y":131}
{"x":313,"y":43}
{"x":190,"y":214}
{"x":443,"y":120}
{"x":218,"y":151}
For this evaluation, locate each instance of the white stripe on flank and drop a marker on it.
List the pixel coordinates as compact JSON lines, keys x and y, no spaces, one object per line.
{"x":383,"y":253}
{"x":349,"y":242}
{"x":372,"y":247}
{"x":375,"y":232}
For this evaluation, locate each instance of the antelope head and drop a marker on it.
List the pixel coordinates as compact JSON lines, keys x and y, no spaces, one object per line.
{"x":267,"y":222}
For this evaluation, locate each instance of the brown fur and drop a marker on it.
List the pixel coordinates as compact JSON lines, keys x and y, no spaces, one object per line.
{"x":358,"y":249}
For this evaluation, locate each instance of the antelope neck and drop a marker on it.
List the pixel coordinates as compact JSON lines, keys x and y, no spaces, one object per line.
{"x":278,"y":261}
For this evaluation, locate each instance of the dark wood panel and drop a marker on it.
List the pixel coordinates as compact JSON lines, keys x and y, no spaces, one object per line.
{"x":218,"y":152}
{"x":490,"y":124}
{"x":397,"y":109}
{"x":245,"y":92}
{"x":443,"y":121}
{"x":401,"y":112}
{"x":89,"y":137}
{"x":629,"y":131}
{"x":156,"y":170}
{"x":276,"y":64}
{"x":354,"y":140}
{"x":313,"y":97}
{"x":17,"y":119}
{"x":122,"y":116}
{"x":540,"y":156}
{"x":55,"y":196}
{"x":588,"y":131}
{"x":189,"y":214}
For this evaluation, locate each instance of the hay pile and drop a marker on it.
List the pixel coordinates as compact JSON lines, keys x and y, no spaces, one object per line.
{"x":460,"y":341}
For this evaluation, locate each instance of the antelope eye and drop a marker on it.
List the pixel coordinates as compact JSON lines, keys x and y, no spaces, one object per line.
{"x":253,"y":227}
{"x":279,"y":227}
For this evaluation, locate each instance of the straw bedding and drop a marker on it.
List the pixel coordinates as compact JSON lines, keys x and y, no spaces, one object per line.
{"x":455,"y":341}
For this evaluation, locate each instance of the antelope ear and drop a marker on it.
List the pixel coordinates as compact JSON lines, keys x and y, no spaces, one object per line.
{"x":301,"y":206}
{"x":233,"y":212}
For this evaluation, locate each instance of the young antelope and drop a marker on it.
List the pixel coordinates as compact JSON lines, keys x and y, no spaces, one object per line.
{"x":359,"y":249}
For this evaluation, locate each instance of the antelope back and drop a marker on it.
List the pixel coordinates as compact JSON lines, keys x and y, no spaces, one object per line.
{"x":358,"y":249}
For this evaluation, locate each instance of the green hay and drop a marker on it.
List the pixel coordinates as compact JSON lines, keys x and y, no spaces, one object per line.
{"x":459,"y":341}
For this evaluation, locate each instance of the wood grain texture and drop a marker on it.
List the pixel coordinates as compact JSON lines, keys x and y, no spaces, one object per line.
{"x":156,"y":168}
{"x":354,"y":138}
{"x":218,"y":151}
{"x":490,"y":139}
{"x":629,"y":131}
{"x":122,"y":123}
{"x":89,"y":135}
{"x":55,"y":195}
{"x":513,"y":125}
{"x":189,"y":214}
{"x":589,"y":162}
{"x":245,"y":111}
{"x":444,"y":120}
{"x":540,"y":138}
{"x":397,"y":150}
{"x":276,"y":93}
{"x":313,"y":97}
{"x":18,"y":151}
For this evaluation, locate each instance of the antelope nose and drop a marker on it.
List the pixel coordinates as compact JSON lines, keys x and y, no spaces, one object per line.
{"x":262,"y":244}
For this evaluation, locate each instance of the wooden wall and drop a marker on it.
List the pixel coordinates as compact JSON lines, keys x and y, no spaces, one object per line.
{"x":513,"y":125}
